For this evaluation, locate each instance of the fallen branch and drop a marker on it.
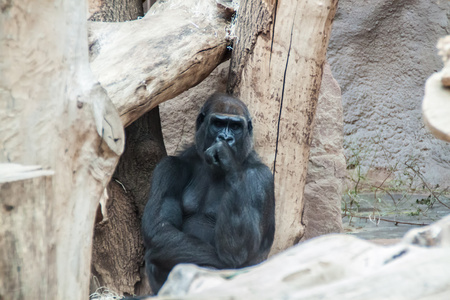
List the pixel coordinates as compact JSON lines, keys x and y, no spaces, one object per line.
{"x":391,"y":221}
{"x":148,"y":61}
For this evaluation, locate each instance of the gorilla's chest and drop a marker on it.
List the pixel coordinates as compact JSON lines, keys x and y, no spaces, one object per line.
{"x":200,"y":202}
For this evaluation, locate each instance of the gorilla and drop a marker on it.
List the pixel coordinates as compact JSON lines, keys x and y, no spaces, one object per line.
{"x":213,"y":205}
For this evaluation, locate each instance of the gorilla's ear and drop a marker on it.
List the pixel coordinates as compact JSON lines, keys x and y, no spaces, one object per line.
{"x":250,"y":126}
{"x":200,"y":119}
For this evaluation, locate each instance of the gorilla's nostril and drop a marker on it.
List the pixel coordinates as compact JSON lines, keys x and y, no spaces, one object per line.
{"x":225,"y":138}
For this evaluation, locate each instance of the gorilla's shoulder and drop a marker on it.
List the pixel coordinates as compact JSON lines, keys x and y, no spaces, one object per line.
{"x":183,"y":159}
{"x":255,"y":165}
{"x":190,"y":152}
{"x":173,"y":167}
{"x":253,"y":160}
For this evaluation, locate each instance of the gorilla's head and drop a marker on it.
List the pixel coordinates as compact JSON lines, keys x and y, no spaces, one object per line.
{"x":224,"y":118}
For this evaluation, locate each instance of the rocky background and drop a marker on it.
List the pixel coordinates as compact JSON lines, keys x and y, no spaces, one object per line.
{"x":381,"y":52}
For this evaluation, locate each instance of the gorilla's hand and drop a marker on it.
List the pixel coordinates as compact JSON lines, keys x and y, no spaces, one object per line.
{"x":220,"y":155}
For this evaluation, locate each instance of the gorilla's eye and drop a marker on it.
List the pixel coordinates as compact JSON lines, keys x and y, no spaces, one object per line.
{"x":219,"y":123}
{"x":235,"y":126}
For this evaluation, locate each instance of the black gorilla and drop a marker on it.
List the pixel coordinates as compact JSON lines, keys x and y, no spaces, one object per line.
{"x":213,"y":205}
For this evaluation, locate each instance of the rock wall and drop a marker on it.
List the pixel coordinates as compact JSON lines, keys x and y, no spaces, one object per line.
{"x":381,"y":52}
{"x":326,"y":169}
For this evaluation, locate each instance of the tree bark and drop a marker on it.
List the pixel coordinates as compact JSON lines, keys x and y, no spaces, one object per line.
{"x":276,"y":68}
{"x":118,"y":247}
{"x":115,"y":10}
{"x":60,"y":137}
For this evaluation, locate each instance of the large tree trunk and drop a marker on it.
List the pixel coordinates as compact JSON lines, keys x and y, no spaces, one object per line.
{"x":60,"y":138}
{"x":276,"y":68}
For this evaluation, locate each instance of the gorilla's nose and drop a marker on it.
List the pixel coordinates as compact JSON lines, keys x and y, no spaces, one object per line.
{"x":226,"y":138}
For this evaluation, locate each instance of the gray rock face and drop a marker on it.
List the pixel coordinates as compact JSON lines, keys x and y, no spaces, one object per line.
{"x":326,"y":170}
{"x":381,"y":52}
{"x":327,"y":166}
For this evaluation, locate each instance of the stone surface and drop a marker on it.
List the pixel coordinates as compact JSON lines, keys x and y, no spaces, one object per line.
{"x":327,"y":166}
{"x":326,"y":170}
{"x":381,"y":52}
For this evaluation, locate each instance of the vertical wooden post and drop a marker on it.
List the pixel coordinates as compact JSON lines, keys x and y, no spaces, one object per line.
{"x":276,"y":68}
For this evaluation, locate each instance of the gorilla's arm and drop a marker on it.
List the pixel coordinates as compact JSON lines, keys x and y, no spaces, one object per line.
{"x":166,"y":244}
{"x":245,"y":221}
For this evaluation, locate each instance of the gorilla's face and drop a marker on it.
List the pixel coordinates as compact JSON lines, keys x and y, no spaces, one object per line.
{"x":224,"y":119}
{"x":227,"y":128}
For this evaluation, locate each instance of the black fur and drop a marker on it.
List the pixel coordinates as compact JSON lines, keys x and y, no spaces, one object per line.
{"x":213,"y":205}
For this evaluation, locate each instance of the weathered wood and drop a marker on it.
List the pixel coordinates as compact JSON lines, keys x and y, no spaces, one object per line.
{"x":54,"y":115}
{"x":277,"y":71}
{"x":331,"y":267}
{"x":25,"y":259}
{"x":444,"y":51}
{"x":145,"y":62}
{"x":436,"y":107}
{"x":436,"y":101}
{"x":114,"y":10}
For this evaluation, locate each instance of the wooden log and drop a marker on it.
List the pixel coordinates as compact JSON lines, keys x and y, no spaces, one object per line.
{"x":436,"y":101}
{"x":145,"y":62}
{"x":54,"y":115}
{"x":444,"y":51}
{"x":276,"y":68}
{"x":23,"y":245}
{"x":436,"y":107}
